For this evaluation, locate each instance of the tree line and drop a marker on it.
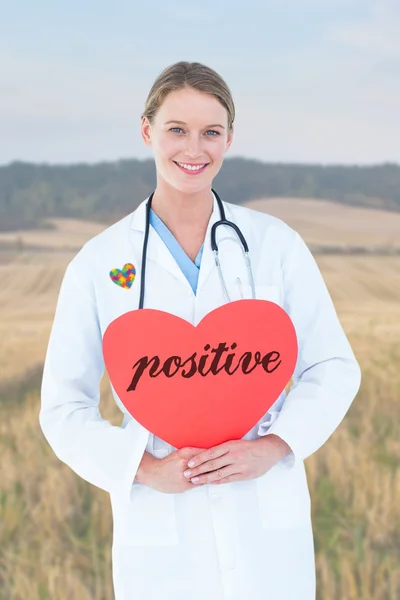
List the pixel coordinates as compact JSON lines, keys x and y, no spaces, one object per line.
{"x":31,"y":193}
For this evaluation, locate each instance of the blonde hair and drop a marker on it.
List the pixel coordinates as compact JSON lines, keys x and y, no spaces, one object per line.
{"x":188,"y":75}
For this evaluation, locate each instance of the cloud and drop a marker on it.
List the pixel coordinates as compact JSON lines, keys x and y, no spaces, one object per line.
{"x":318,"y":82}
{"x":46,"y":89}
{"x":378,"y":33}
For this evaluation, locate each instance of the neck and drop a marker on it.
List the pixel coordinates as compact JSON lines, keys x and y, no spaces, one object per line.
{"x":182,"y":211}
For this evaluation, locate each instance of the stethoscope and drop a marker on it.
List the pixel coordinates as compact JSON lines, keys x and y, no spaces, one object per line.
{"x":214,"y":246}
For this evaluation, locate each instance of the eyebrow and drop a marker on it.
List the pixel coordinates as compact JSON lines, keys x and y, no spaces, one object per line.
{"x":183,"y":123}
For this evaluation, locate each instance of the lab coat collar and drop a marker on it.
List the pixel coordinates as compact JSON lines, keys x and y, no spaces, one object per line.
{"x":158,"y":252}
{"x":208,"y":259}
{"x":138,"y":219}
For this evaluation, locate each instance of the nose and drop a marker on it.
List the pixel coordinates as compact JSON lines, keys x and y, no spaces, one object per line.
{"x":193,"y":146}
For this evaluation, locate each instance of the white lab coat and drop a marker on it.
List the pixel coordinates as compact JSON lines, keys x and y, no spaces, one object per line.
{"x":241,"y":540}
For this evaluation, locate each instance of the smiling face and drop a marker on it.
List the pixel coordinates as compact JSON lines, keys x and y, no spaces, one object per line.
{"x":199,"y":138}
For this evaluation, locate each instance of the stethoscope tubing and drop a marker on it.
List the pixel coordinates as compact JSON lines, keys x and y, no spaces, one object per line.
{"x":214,"y":246}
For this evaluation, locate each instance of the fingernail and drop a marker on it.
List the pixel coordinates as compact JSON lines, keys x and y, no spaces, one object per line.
{"x":187,"y":473}
{"x":195,"y":479}
{"x":191,"y":463}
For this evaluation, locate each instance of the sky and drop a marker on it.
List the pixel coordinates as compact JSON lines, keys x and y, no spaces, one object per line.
{"x":313,"y":81}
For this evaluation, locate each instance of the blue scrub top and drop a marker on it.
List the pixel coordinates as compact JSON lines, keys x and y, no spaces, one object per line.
{"x":189,"y":268}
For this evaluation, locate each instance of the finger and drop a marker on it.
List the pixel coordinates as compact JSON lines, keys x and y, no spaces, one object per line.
{"x":228,"y":479}
{"x":209,"y":466}
{"x":214,"y":476}
{"x":197,"y":451}
{"x":210,"y":454}
{"x":188,"y":452}
{"x":191,"y":450}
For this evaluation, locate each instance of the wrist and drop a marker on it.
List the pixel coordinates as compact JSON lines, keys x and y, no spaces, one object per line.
{"x":145,"y":469}
{"x":274,"y":443}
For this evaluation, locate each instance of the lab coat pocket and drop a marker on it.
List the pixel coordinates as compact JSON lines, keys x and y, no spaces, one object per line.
{"x":283,"y":497}
{"x":148,"y":519}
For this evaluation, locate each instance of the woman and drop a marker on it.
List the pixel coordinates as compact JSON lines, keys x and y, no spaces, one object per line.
{"x":177,"y":534}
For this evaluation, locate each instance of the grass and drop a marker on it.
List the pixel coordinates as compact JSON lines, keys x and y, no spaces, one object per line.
{"x":55,"y":528}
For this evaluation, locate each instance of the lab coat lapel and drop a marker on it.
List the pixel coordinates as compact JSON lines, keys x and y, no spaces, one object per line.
{"x":222,"y":234}
{"x":207,"y":258}
{"x":157,"y":251}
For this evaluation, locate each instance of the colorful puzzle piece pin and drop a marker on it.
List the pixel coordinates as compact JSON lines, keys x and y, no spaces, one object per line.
{"x":125,"y":276}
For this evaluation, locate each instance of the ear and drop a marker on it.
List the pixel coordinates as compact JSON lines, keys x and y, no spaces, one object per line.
{"x":229,"y":140}
{"x":146,"y":131}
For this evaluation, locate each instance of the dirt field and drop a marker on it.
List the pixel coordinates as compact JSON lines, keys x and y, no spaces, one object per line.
{"x":365,"y":289}
{"x":325,"y":222}
{"x":55,"y":531}
{"x":318,"y":221}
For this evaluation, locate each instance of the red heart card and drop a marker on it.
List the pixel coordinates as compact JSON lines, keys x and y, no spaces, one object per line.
{"x":201,"y":386}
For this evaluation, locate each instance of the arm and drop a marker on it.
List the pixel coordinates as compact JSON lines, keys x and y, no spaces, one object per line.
{"x":327,"y":376}
{"x":104,"y":455}
{"x":145,"y":469}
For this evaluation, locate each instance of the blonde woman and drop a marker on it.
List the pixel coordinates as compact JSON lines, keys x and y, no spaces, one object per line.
{"x":230,"y":522}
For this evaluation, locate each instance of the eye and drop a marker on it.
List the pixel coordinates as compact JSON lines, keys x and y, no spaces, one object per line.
{"x":210,"y":130}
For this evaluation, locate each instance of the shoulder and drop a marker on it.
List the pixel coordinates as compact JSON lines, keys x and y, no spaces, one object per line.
{"x":96,"y":250}
{"x":261,"y":225}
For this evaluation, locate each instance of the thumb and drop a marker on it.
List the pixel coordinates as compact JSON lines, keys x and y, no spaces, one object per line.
{"x":191,"y":450}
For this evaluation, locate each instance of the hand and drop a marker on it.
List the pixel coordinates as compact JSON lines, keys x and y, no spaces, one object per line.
{"x":166,"y":474}
{"x":237,"y":460}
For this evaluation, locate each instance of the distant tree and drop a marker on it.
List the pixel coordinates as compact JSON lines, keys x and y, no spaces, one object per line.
{"x":32,"y":193}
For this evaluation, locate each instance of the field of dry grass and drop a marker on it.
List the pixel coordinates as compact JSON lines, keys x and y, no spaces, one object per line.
{"x":331,"y":223}
{"x":55,"y":529}
{"x":68,"y":234}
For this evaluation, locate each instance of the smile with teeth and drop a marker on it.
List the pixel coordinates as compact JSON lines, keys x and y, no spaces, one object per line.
{"x":187,"y":167}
